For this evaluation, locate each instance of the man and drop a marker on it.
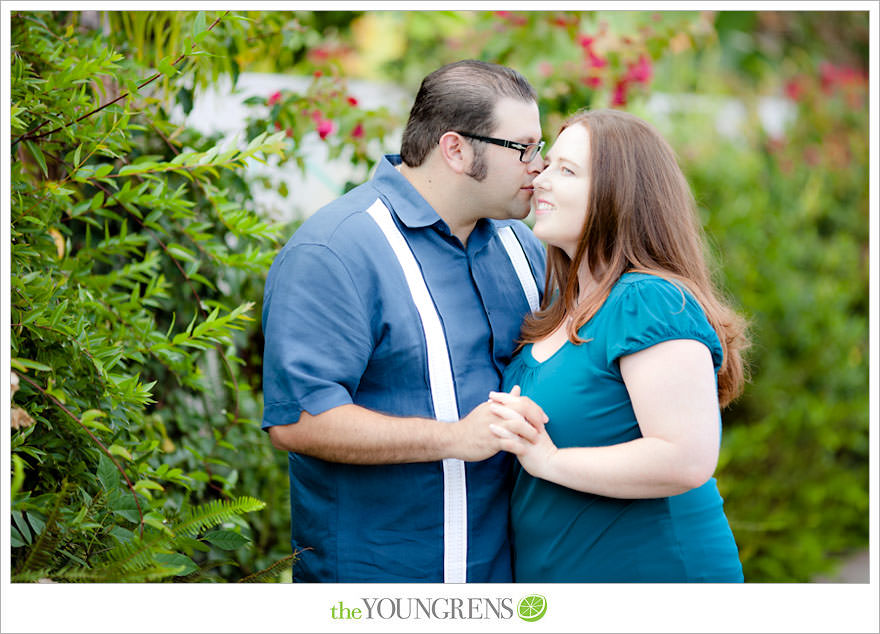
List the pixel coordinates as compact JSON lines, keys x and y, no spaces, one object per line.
{"x":391,"y":312}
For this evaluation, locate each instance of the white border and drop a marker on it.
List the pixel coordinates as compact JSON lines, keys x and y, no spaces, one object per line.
{"x":572,"y":607}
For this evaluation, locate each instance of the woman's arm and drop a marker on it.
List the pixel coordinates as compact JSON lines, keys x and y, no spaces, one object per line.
{"x":674,"y":396}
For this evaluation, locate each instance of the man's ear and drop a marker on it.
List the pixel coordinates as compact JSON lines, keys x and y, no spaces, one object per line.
{"x":456,"y":152}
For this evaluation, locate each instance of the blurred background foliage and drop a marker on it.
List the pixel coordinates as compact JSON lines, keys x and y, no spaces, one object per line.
{"x":767,"y":110}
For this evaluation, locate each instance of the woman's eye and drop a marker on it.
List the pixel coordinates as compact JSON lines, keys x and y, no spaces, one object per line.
{"x":565,"y":170}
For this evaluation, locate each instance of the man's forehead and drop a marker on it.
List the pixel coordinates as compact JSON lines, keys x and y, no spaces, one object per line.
{"x":518,"y":119}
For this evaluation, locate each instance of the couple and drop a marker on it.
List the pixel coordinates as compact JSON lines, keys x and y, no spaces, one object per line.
{"x":394,"y":313}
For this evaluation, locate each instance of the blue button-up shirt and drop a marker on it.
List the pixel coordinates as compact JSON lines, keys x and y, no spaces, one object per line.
{"x":341,"y":327}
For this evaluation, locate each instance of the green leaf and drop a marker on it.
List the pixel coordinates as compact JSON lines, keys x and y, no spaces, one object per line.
{"x":226,"y":539}
{"x":166,"y":67}
{"x":108,"y":474}
{"x":90,"y":419}
{"x":176,"y":560}
{"x":103,"y":170}
{"x":141,"y":485}
{"x":123,"y":503}
{"x":38,"y":156}
{"x":119,"y":450}
{"x":24,"y":364}
{"x":199,"y":27}
{"x":20,"y":532}
{"x":17,"y":475}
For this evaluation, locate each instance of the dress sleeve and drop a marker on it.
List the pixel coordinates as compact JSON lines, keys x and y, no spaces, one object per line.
{"x":317,"y":334}
{"x":653,"y":310}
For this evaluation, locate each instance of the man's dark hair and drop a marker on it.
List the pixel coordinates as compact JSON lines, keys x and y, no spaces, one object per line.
{"x":460,"y":96}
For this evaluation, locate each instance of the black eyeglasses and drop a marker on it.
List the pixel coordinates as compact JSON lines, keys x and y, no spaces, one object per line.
{"x":527,"y":151}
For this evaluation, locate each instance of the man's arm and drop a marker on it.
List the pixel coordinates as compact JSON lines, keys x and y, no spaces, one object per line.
{"x":355,"y":435}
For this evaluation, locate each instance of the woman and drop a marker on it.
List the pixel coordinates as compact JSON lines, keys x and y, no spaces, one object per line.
{"x":630,"y":356}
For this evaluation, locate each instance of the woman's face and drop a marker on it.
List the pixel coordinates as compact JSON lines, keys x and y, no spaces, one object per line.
{"x":560,"y":196}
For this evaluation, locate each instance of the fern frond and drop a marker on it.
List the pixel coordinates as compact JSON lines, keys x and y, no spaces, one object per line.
{"x":215,"y":512}
{"x":271,"y":571}
{"x":31,"y":576}
{"x":40,"y":554}
{"x":135,"y":555}
{"x":153,"y":572}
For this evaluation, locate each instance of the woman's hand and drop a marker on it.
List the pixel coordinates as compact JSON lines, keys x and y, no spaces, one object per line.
{"x":525,"y":438}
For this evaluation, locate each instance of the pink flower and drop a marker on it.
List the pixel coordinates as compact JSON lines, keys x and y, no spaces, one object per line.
{"x":641,"y":71}
{"x":794,"y":90}
{"x":358,"y":131}
{"x":831,"y":76}
{"x":545,"y":68}
{"x":274,"y":98}
{"x":596,"y":61}
{"x":325,"y":128}
{"x":561,"y":20}
{"x":593,"y":82}
{"x":352,"y":101}
{"x":620,"y":93}
{"x":585,"y":41}
{"x":319,"y":53}
{"x":828,"y":73}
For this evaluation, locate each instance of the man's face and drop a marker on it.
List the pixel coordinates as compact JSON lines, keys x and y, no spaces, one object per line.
{"x":506,"y":190}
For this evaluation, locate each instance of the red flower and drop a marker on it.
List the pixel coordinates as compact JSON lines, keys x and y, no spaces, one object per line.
{"x":593,"y":82}
{"x":352,"y":101}
{"x":274,"y":98}
{"x":325,"y":128}
{"x":358,"y":131}
{"x":827,"y":72}
{"x":620,"y":93}
{"x":561,"y":20}
{"x":277,"y":125}
{"x":317,"y":73}
{"x":596,"y":61}
{"x":288,"y":132}
{"x":319,"y":54}
{"x":832,"y":76}
{"x":794,"y":90}
{"x":641,"y":71}
{"x":585,"y":41}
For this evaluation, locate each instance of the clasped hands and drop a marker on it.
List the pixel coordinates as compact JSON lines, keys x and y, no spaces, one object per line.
{"x":519,"y":426}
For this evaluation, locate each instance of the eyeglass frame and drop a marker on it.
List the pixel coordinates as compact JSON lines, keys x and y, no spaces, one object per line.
{"x":513,"y":145}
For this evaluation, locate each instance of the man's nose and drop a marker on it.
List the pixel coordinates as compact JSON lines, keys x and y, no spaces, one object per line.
{"x":536,"y":166}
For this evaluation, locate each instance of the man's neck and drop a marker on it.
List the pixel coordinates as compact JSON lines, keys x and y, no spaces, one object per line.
{"x":442,"y":198}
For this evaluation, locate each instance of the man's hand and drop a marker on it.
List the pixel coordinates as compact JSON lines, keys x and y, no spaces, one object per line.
{"x":474,"y":439}
{"x":534,"y":448}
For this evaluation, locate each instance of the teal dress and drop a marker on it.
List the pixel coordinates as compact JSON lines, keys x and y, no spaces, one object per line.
{"x":562,"y":535}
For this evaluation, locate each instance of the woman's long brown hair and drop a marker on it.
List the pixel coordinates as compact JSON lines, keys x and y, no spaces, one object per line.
{"x":641,"y":217}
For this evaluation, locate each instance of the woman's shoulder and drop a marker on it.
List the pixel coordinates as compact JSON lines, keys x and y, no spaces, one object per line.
{"x":644,"y":309}
{"x":649,"y":287}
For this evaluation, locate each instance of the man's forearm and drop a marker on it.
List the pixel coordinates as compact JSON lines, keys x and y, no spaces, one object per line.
{"x":356,"y":435}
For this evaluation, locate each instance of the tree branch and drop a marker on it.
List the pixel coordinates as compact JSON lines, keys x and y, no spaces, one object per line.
{"x":29,"y":136}
{"x":95,"y":439}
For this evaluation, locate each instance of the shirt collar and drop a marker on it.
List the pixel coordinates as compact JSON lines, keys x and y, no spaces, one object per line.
{"x":407,"y":203}
{"x":414,"y":211}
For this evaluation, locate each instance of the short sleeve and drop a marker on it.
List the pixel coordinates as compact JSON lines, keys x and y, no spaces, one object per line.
{"x":317,"y":334}
{"x":652,"y":310}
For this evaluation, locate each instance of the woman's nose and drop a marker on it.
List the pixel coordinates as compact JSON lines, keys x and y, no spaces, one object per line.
{"x":539,"y":182}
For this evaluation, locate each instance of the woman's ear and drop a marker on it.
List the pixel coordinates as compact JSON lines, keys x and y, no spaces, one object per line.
{"x":456,"y":152}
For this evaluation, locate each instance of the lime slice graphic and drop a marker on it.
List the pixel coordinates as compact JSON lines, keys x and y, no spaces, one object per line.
{"x":532,"y":607}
